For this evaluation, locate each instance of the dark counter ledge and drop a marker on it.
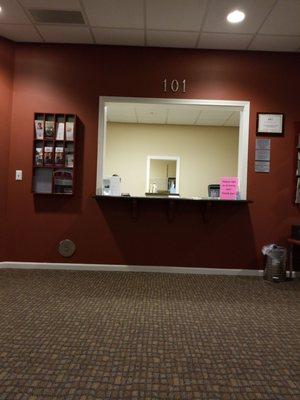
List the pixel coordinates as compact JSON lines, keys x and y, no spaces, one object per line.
{"x":206,"y":203}
{"x":168,"y":198}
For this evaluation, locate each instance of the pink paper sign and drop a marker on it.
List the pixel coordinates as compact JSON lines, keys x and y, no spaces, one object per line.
{"x":229,"y":188}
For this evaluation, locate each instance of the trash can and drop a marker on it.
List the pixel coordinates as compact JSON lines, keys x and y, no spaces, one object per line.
{"x":275,"y":269}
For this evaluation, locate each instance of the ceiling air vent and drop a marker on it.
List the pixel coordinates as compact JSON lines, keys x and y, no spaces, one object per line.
{"x":57,"y":16}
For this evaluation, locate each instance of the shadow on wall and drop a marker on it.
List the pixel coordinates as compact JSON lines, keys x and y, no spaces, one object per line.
{"x":66,"y":204}
{"x":223,"y":239}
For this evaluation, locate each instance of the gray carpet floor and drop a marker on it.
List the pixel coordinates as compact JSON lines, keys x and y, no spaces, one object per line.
{"x":110,"y":335}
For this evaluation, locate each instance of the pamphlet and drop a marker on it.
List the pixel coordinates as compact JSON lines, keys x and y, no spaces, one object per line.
{"x":38,"y":156}
{"x":69,"y":130}
{"x":39,"y":129}
{"x":69,"y":160}
{"x":49,"y":129}
{"x":60,"y":131}
{"x":59,"y":155}
{"x":69,"y":155}
{"x":298,"y":191}
{"x":48,"y":155}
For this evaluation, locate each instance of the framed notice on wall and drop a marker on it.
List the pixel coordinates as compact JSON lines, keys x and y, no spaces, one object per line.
{"x":269,"y":124}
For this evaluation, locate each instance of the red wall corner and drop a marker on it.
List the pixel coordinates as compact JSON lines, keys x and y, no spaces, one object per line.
{"x":6,"y":95}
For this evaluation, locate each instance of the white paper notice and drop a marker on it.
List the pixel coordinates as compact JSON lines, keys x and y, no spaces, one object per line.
{"x":262,"y":166}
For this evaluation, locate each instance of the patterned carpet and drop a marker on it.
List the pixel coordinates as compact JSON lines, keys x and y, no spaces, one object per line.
{"x":109,"y":335}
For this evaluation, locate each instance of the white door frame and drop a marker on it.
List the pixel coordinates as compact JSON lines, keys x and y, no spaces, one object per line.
{"x":235,"y":105}
{"x":169,"y":158}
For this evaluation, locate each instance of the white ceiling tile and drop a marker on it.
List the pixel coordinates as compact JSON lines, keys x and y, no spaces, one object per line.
{"x":179,"y":15}
{"x":121,"y":112}
{"x":172,"y":39}
{"x":51,"y":4}
{"x":229,"y":41}
{"x":284,"y":19}
{"x":12,"y":13}
{"x":20,"y":33}
{"x":124,"y":37}
{"x":184,"y":115}
{"x":151,"y":113}
{"x":275,"y":43}
{"x":65,"y":34}
{"x":215,"y":109}
{"x":152,"y":119}
{"x":213,"y":117}
{"x":122,"y":118}
{"x":255,"y":10}
{"x":233,"y":120}
{"x":155,"y":108}
{"x":171,"y":114}
{"x":115,"y":13}
{"x":210,"y":122}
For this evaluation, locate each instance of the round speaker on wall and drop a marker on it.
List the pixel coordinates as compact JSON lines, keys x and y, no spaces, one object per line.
{"x":66,"y":248}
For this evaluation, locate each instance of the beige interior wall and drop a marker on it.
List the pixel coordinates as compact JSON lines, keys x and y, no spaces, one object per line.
{"x":160,"y":171}
{"x":206,"y":153}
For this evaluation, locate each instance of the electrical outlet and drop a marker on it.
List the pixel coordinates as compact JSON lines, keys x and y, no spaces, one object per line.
{"x":19,"y":175}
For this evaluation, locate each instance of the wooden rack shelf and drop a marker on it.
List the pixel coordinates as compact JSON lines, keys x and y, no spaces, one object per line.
{"x":54,"y":149}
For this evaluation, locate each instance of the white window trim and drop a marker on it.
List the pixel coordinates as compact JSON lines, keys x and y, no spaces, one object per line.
{"x":236,"y":105}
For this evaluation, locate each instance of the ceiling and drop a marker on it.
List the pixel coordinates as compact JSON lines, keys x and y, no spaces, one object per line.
{"x":172,"y":114}
{"x":270,"y":25}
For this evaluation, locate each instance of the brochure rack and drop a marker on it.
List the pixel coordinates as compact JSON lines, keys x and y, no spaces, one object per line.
{"x":54,"y":153}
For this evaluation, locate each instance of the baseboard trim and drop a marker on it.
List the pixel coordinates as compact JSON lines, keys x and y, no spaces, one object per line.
{"x":130,"y":268}
{"x":135,"y":268}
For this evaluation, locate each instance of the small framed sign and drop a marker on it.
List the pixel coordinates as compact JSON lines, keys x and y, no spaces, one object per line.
{"x":269,"y":124}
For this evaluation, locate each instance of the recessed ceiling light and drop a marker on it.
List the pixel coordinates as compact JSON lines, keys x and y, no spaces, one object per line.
{"x":236,"y":16}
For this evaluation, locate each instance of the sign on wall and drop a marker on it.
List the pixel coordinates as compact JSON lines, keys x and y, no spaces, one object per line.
{"x":269,"y":124}
{"x":262,"y":155}
{"x":174,"y":85}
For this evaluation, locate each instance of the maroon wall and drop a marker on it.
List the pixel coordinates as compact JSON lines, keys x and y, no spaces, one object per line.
{"x":70,"y":79}
{"x":6,"y":93}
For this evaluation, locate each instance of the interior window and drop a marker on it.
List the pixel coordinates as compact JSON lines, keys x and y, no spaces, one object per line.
{"x":170,"y":149}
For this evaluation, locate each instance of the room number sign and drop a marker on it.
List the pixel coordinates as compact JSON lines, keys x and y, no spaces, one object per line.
{"x":174,"y":85}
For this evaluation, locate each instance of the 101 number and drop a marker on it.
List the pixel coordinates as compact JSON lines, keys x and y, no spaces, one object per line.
{"x":175,"y":85}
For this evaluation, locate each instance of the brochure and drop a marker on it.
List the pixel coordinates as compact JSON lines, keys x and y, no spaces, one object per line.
{"x":69,"y":130}
{"x":39,"y":129}
{"x":60,"y":131}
